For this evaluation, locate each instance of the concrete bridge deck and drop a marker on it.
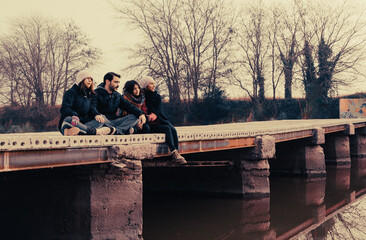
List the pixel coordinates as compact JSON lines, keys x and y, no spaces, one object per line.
{"x":51,"y":149}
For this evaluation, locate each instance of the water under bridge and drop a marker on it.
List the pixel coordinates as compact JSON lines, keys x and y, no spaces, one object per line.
{"x":232,"y":158}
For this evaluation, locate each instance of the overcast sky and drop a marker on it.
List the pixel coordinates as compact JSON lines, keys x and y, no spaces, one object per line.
{"x":99,"y":21}
{"x":96,"y":18}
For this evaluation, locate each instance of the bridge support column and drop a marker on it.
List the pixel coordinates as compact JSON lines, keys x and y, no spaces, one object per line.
{"x":299,"y":160}
{"x":116,"y":201}
{"x":116,"y":194}
{"x":337,"y":150}
{"x":358,"y":155}
{"x":301,"y":157}
{"x":358,"y":146}
{"x":254,"y":167}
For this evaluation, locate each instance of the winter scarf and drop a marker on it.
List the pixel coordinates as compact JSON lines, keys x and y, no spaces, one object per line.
{"x":136,"y":101}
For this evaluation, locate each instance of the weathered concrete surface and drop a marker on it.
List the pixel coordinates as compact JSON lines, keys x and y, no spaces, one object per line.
{"x":116,"y":202}
{"x":337,"y":150}
{"x":350,"y":129}
{"x":255,"y":178}
{"x":137,"y":152}
{"x":265,"y":148}
{"x":318,"y":136}
{"x":296,"y":159}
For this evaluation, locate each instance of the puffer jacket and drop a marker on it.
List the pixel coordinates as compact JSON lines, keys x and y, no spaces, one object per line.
{"x":108,"y":104}
{"x":77,"y":103}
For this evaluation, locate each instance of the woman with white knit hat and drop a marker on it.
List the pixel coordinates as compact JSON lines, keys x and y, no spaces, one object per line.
{"x":157,"y":121}
{"x":76,"y":111}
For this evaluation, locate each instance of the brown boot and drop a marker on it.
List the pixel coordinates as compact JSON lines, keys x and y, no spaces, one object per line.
{"x":177,"y":158}
{"x":71,"y":131}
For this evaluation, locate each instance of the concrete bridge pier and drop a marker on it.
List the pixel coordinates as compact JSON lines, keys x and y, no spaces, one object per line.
{"x":253,"y":167}
{"x":358,"y":147}
{"x":116,"y":201}
{"x":301,"y":157}
{"x":337,"y":150}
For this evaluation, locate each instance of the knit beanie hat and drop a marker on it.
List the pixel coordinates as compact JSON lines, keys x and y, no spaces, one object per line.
{"x":145,"y":81}
{"x":82,"y":75}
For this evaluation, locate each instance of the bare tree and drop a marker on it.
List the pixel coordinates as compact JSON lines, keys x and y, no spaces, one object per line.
{"x":185,"y":42}
{"x":222,"y":53}
{"x":254,"y":46}
{"x":159,"y":52}
{"x":334,"y":46}
{"x":195,"y":40}
{"x":40,"y":56}
{"x":287,"y":24}
{"x":276,"y":69}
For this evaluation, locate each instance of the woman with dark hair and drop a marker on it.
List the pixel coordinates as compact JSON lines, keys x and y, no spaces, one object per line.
{"x":76,"y":113}
{"x":132,"y":93}
{"x":157,"y":121}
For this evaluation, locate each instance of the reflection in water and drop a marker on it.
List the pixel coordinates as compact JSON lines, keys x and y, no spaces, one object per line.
{"x":297,"y":208}
{"x":349,"y":224}
{"x":182,"y":217}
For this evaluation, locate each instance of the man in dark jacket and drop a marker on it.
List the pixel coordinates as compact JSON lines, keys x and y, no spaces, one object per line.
{"x":107,"y":101}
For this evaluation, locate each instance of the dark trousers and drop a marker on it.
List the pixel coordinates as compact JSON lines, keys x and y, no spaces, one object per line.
{"x":171,"y":136}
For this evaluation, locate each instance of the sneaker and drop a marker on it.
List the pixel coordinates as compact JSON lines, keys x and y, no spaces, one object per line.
{"x":71,"y":131}
{"x":112,"y":130}
{"x":177,"y":158}
{"x":103,"y":131}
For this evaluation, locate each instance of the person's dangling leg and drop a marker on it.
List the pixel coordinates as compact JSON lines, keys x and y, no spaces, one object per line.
{"x":163,"y":128}
{"x":169,"y":139}
{"x":174,"y":135}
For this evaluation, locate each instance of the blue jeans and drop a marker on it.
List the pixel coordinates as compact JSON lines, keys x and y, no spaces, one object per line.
{"x":122,"y":124}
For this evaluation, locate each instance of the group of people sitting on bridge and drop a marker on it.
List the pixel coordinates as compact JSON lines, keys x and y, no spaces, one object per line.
{"x":104,"y":111}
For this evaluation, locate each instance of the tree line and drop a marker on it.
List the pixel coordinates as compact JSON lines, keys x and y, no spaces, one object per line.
{"x":195,"y":46}
{"x":39,"y":58}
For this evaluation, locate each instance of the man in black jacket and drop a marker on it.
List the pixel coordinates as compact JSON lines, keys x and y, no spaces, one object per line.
{"x":108,"y":101}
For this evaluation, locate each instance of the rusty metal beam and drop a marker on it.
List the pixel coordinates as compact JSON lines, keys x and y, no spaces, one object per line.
{"x":207,"y":146}
{"x":25,"y":160}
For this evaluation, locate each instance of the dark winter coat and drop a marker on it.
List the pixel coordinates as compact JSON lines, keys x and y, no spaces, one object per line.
{"x":153,"y":105}
{"x":77,"y":102}
{"x":108,"y":104}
